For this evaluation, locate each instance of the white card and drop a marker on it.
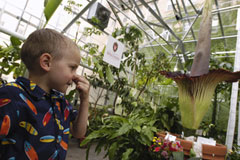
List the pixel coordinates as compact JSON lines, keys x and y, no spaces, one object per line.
{"x":203,"y":140}
{"x":113,"y":52}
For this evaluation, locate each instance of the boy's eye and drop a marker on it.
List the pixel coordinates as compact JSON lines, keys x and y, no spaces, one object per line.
{"x":73,"y":67}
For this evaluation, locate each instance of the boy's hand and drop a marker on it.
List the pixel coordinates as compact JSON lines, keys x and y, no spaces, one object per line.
{"x":82,"y":86}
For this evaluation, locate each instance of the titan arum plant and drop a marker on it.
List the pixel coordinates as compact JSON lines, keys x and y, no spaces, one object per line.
{"x":196,"y":90}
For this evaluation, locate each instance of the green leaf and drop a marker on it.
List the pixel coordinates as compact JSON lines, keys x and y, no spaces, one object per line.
{"x":109,"y":75}
{"x":101,"y":143}
{"x":137,"y":128}
{"x":100,"y":73}
{"x":149,"y":134}
{"x":93,"y":135}
{"x":50,"y":8}
{"x":167,"y":81}
{"x":69,"y":96}
{"x":15,"y":41}
{"x":144,"y":139}
{"x":127,"y":153}
{"x":124,"y":129}
{"x":178,"y":155}
{"x":89,"y":61}
{"x":112,"y":150}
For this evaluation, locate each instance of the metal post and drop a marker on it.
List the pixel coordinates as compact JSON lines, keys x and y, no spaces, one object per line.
{"x":160,"y":20}
{"x":185,"y":9}
{"x":234,"y":95}
{"x":193,"y":7}
{"x":238,"y":138}
{"x":138,"y":26}
{"x":220,"y":22}
{"x":116,"y":15}
{"x":20,"y":18}
{"x":79,"y":15}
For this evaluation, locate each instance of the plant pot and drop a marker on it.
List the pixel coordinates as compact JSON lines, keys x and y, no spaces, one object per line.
{"x":187,"y":145}
{"x":217,"y":152}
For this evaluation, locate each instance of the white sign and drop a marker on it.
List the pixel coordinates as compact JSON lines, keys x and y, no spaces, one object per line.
{"x":170,"y":137}
{"x":113,"y":52}
{"x":208,"y":141}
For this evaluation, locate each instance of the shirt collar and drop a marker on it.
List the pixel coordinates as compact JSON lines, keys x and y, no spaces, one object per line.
{"x":35,"y":91}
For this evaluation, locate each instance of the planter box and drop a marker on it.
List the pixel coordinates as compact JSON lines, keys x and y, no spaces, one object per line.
{"x":187,"y":145}
{"x":217,"y":152}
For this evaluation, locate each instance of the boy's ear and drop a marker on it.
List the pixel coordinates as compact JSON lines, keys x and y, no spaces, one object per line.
{"x":45,"y":61}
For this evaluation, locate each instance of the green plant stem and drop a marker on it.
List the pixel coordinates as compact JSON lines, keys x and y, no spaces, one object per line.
{"x":188,"y":132}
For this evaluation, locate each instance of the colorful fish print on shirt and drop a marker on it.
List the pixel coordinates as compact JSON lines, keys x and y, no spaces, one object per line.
{"x":47,"y":116}
{"x":4,"y":102}
{"x":29,"y":103}
{"x":14,"y":85}
{"x":30,"y":151}
{"x":28,"y":127}
{"x":5,"y":125}
{"x":32,"y":85}
{"x":58,"y":106}
{"x":8,"y":141}
{"x":66,"y":113}
{"x":29,"y":119}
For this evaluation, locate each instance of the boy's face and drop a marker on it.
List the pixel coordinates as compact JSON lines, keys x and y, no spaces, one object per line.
{"x":63,"y":70}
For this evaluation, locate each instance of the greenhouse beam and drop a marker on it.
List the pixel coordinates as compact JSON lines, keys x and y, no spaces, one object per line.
{"x":115,"y":13}
{"x":138,"y":26}
{"x":145,"y":21}
{"x":78,"y":15}
{"x":190,"y":41}
{"x":153,"y":49}
{"x":155,"y":4}
{"x":11,"y":33}
{"x":185,"y":10}
{"x":160,"y":19}
{"x":220,"y":22}
{"x":19,"y":21}
{"x":197,"y":11}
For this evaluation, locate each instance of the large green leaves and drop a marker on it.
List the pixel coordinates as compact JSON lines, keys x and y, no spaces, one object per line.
{"x":109,"y":75}
{"x":125,"y":137}
{"x":127,"y":153}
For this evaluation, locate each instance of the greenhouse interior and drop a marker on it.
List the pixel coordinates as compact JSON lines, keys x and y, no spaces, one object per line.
{"x":150,"y":65}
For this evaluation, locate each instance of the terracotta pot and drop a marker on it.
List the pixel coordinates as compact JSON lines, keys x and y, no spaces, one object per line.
{"x":187,"y":145}
{"x":217,"y":152}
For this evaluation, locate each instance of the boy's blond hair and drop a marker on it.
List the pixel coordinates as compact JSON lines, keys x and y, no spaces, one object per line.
{"x":45,"y":41}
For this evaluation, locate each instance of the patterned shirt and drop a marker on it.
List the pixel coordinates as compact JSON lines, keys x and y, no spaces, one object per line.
{"x":33,"y":124}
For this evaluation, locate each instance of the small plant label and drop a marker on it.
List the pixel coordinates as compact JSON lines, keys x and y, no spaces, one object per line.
{"x":113,"y":52}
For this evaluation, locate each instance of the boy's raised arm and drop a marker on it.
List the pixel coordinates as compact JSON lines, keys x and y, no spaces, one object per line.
{"x":80,"y":124}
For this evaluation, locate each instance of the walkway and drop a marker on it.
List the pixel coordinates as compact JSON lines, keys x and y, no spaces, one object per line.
{"x":76,"y":153}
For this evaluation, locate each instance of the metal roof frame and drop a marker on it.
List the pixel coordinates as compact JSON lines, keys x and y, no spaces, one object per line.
{"x":133,"y":6}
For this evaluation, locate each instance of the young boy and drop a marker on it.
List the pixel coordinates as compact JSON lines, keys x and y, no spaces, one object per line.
{"x":34,"y":115}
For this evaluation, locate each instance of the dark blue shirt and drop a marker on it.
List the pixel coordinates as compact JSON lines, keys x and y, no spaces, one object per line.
{"x":33,"y":124}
